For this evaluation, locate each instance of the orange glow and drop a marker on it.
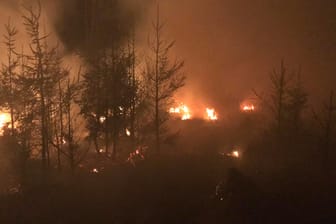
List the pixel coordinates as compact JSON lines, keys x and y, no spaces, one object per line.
{"x":102,"y":119}
{"x":183,"y":111}
{"x":4,"y":120}
{"x":247,"y":107}
{"x":211,"y":114}
{"x":234,"y":153}
{"x":128,"y":132}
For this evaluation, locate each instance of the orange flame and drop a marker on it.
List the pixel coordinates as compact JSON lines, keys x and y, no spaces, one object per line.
{"x":248,"y":108}
{"x":4,"y":120}
{"x":234,"y":154}
{"x":211,"y":114}
{"x":182,"y":111}
{"x":95,"y":170}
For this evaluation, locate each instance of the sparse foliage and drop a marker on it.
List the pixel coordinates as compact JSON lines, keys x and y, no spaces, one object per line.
{"x":286,"y":100}
{"x":326,"y":120}
{"x":164,"y":78}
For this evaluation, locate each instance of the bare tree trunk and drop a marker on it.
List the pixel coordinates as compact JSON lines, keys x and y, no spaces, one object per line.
{"x":133,"y":84}
{"x":157,"y":52}
{"x":43,"y":114}
{"x":328,"y":130}
{"x":10,"y":41}
{"x":59,"y":162}
{"x":70,"y":134}
{"x":107,"y":120}
{"x":95,"y":141}
{"x":281,"y":92}
{"x":11,"y":104}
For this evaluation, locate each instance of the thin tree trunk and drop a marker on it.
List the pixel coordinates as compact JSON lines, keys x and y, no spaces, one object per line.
{"x":157,"y":117}
{"x":133,"y":100}
{"x":59,"y":162}
{"x":328,"y":130}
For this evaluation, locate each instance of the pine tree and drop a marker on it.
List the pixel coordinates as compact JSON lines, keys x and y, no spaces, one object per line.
{"x":163,"y":78}
{"x":9,"y":74}
{"x":105,"y":97}
{"x":43,"y":72}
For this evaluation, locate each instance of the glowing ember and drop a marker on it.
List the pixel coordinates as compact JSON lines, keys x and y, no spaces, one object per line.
{"x":95,"y":170}
{"x":128,"y":132}
{"x":182,"y":111}
{"x":211,"y":114}
{"x":234,"y":153}
{"x":102,"y":119}
{"x":136,"y":156}
{"x":248,"y":108}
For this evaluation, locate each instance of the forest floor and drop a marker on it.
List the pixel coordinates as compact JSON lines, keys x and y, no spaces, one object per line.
{"x":172,"y":189}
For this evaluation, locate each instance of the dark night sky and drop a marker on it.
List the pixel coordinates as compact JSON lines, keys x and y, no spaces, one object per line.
{"x":230,"y":46}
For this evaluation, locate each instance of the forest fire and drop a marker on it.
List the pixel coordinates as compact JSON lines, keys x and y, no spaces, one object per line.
{"x":183,"y":111}
{"x":211,"y":114}
{"x":247,"y":107}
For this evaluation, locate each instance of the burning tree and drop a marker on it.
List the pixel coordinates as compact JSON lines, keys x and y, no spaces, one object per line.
{"x":163,"y":78}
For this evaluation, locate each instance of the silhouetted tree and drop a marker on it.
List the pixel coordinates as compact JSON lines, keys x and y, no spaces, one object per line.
{"x":106,"y":96}
{"x":43,"y":73}
{"x":70,"y":97}
{"x":163,"y":77}
{"x":326,"y":120}
{"x":11,"y":101}
{"x":286,"y":100}
{"x":133,"y":83}
{"x":297,"y":103}
{"x":9,"y":73}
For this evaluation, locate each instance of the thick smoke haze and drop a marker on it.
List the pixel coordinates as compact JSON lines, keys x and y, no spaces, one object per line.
{"x":231,"y":46}
{"x":75,"y":22}
{"x":99,"y":22}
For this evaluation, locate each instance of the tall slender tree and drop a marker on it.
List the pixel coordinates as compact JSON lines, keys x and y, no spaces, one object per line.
{"x":105,"y":96}
{"x":286,"y":99}
{"x":326,"y":120}
{"x":43,"y":72}
{"x":164,"y":78}
{"x":9,"y":73}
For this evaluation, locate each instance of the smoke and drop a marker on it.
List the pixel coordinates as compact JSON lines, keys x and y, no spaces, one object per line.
{"x":79,"y":24}
{"x":82,"y":24}
{"x":231,"y":46}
